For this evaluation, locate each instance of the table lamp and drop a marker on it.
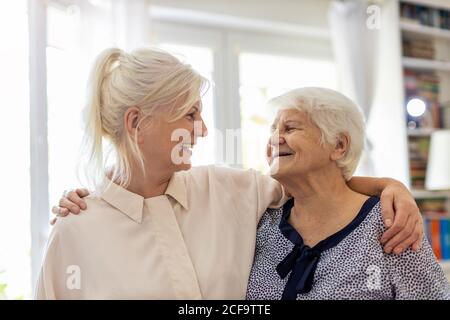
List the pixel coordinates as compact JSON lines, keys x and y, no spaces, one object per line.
{"x":438,"y":168}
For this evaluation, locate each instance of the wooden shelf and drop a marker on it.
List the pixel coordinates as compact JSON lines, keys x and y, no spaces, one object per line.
{"x":416,"y":28}
{"x":438,"y":4}
{"x":422,"y":194}
{"x":424,"y":64}
{"x":421,"y":132}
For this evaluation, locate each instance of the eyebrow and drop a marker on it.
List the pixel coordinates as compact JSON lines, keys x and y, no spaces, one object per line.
{"x":293,"y":122}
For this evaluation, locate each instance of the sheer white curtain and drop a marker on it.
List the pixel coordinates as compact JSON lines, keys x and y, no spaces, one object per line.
{"x":355,"y":47}
{"x":367,"y":48}
{"x":122,"y":23}
{"x":15,"y":152}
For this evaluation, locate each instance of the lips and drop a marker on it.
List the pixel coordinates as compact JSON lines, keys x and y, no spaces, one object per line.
{"x":282,"y":154}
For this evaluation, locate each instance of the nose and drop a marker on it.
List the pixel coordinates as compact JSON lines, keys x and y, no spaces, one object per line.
{"x":200,"y":129}
{"x":204,"y":129}
{"x":276,"y":139}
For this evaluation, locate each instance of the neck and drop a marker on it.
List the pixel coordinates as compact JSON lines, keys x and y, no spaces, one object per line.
{"x":152,"y":184}
{"x":317,"y":189}
{"x":323,"y":204}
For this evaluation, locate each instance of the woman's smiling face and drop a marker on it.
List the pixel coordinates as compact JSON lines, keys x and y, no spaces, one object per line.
{"x":295,"y":146}
{"x":168,"y":145}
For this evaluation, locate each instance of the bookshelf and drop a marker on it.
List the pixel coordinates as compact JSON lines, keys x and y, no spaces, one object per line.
{"x":425,"y":64}
{"x":426,"y":31}
{"x":425,"y":40}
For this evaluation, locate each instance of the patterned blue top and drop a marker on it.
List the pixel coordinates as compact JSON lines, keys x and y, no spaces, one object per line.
{"x":350,"y":264}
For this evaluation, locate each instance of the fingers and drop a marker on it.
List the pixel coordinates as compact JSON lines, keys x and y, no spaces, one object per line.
{"x":404,"y":245}
{"x":414,"y":240}
{"x":75,"y":199}
{"x":62,"y":212}
{"x":397,"y":243}
{"x":71,"y":202}
{"x":59,"y":212}
{"x":399,"y":224}
{"x":419,"y":234}
{"x":69,"y":205}
{"x":387,"y":208}
{"x":82,"y":192}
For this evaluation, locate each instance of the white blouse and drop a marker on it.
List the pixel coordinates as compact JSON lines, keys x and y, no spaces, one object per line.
{"x":197,"y":241}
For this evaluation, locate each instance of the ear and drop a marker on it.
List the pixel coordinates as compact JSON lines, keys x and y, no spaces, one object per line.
{"x":131,"y":119}
{"x":341,"y":147}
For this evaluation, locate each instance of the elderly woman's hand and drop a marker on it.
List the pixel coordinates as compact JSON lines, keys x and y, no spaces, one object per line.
{"x":70,"y":202}
{"x":402,"y":218}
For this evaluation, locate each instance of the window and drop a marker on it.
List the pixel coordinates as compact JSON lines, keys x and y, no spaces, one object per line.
{"x":15,"y":281}
{"x":66,"y":83}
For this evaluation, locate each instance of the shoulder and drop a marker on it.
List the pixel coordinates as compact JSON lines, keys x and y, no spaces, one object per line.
{"x":368,"y":227}
{"x":271,"y":216}
{"x":97,"y":210}
{"x":374,"y":218}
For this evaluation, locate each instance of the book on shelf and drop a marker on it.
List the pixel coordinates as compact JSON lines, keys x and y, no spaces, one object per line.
{"x":418,"y":48}
{"x":437,"y":232}
{"x":432,"y":17}
{"x":418,"y":156}
{"x":424,"y":85}
{"x":434,"y":207}
{"x":437,"y":224}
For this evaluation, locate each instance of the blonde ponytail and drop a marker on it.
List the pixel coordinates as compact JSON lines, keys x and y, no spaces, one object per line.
{"x":94,"y":128}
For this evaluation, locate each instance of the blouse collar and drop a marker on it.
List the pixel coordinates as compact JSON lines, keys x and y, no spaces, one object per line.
{"x":303,"y":260}
{"x":132,"y":204}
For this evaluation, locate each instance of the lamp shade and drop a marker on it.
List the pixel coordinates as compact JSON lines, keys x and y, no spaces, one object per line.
{"x":438,"y":169}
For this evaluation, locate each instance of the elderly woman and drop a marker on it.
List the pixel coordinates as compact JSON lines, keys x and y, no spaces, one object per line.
{"x":155,"y":228}
{"x":323,"y":243}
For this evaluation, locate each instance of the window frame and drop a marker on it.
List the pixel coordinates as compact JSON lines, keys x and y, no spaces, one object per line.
{"x":39,"y":203}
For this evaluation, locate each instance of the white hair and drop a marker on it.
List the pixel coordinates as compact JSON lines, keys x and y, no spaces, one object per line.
{"x":147,"y":78}
{"x":334,"y":114}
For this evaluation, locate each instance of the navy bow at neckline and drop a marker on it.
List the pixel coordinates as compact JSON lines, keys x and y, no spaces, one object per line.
{"x":302,"y":261}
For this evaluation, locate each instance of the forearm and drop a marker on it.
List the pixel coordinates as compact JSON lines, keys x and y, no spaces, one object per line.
{"x":369,"y":186}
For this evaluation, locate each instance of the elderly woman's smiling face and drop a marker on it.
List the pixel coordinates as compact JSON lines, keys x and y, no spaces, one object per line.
{"x":295,"y":147}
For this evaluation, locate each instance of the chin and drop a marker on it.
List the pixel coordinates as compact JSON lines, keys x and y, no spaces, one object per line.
{"x":276,"y":171}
